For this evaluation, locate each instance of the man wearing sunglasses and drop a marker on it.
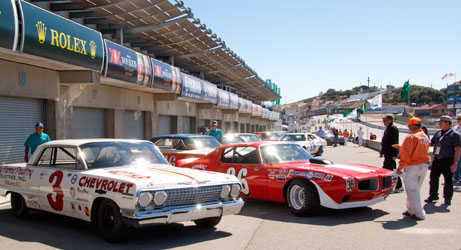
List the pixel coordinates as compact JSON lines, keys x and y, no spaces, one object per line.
{"x":446,"y":143}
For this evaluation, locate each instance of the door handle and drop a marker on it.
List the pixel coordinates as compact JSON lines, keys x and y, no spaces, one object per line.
{"x":43,"y":174}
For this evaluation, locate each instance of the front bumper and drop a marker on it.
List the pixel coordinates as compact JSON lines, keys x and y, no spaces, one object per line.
{"x":189,"y":213}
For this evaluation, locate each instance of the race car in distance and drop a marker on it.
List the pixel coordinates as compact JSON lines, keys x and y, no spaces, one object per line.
{"x":242,"y":137}
{"x":270,"y":136}
{"x":310,"y":142}
{"x":285,"y":172}
{"x":181,"y":146}
{"x":117,"y":184}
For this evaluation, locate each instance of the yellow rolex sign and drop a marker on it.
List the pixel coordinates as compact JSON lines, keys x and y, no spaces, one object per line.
{"x":54,"y":37}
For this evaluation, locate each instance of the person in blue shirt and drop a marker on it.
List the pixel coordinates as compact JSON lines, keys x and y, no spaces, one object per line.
{"x":35,"y":140}
{"x":321,"y":133}
{"x":215,"y":132}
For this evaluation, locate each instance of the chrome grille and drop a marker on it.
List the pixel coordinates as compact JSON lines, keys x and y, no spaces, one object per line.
{"x":187,"y":196}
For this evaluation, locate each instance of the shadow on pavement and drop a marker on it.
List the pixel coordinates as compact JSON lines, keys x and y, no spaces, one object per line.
{"x":67,"y":233}
{"x":327,"y":217}
{"x":405,"y":222}
{"x":431,"y":208}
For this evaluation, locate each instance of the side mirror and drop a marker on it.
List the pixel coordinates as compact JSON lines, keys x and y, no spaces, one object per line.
{"x":320,"y":161}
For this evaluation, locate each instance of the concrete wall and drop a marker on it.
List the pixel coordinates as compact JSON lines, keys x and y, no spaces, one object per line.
{"x":39,"y":83}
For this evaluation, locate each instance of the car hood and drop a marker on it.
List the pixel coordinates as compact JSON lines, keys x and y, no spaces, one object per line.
{"x":162,"y":176}
{"x":344,"y":170}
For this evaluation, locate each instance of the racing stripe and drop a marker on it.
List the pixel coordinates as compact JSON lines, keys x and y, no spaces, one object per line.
{"x":172,"y":172}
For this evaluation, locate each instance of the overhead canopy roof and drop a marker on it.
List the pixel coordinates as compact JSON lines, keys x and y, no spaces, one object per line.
{"x":172,"y":27}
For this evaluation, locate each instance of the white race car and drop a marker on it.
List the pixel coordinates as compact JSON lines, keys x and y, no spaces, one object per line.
{"x":310,"y":142}
{"x":117,"y":184}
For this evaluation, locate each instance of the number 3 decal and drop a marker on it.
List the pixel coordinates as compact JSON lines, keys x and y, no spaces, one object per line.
{"x":242,"y":173}
{"x":58,"y":203}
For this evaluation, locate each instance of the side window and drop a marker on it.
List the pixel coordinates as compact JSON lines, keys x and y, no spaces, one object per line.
{"x":45,"y":158}
{"x":227,"y":155}
{"x":246,"y":155}
{"x":170,"y":143}
{"x":66,"y":158}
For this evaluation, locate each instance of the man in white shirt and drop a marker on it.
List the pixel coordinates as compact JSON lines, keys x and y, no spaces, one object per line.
{"x":360,"y":136}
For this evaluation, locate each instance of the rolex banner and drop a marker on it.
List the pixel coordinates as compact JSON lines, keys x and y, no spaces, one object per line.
{"x":127,"y":65}
{"x":8,"y":24}
{"x":51,"y":36}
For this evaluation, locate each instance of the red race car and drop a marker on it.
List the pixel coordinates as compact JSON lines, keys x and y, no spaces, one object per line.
{"x":181,"y":146}
{"x":285,"y":172}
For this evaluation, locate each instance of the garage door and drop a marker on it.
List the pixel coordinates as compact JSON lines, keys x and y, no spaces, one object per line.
{"x":88,"y":123}
{"x":186,"y":125}
{"x":134,"y":125}
{"x":17,"y":121}
{"x":164,"y":125}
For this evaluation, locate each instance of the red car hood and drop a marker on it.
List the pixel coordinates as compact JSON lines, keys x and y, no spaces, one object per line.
{"x":348,"y":170}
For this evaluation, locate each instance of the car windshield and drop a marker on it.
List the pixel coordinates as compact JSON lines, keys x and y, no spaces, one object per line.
{"x":294,"y":138}
{"x":192,"y":143}
{"x":232,"y":139}
{"x":276,"y":153}
{"x":248,"y":138}
{"x":116,"y":154}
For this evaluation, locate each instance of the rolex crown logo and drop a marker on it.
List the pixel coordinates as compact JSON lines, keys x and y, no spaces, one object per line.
{"x":93,"y":49}
{"x":41,"y":30}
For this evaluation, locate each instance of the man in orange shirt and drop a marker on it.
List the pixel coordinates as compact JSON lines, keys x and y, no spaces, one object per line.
{"x":414,"y":161}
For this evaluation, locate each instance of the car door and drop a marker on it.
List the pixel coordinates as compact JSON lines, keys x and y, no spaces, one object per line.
{"x":312,"y":146}
{"x":244,"y":162}
{"x":171,"y":149}
{"x":56,"y":194}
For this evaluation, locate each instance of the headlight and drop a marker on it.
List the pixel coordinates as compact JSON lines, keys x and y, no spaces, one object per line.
{"x":225,"y":191}
{"x":144,"y":199}
{"x":395,"y":179}
{"x":235,"y":190}
{"x":160,"y":198}
{"x":350,"y":184}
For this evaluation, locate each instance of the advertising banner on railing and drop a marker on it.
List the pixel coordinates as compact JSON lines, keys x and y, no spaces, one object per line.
{"x":233,"y":101}
{"x":191,"y":87}
{"x":166,"y":77}
{"x":265,"y":113}
{"x":397,"y":110}
{"x":223,"y":98}
{"x":51,"y":36}
{"x":257,"y":110}
{"x":210,"y":92}
{"x":8,"y":24}
{"x":245,"y":106}
{"x":127,"y":65}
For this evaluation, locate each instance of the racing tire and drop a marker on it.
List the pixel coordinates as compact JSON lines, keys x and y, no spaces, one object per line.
{"x":302,"y":198}
{"x":18,"y":206}
{"x":320,"y":151}
{"x":208,"y":222}
{"x":110,"y":222}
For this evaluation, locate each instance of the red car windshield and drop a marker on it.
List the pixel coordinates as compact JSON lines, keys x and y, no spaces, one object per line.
{"x":277,"y":153}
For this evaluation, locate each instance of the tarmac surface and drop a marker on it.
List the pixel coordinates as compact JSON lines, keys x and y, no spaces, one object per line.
{"x":263,"y":225}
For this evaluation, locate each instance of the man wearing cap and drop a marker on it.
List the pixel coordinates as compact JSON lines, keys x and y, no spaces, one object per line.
{"x":413,"y":164}
{"x":215,"y":131}
{"x":34,"y":140}
{"x":446,"y":143}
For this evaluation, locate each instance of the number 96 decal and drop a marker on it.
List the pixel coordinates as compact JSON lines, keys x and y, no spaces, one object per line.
{"x":240,"y":175}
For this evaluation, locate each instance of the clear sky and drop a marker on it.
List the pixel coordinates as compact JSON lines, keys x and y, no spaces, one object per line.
{"x":307,"y":46}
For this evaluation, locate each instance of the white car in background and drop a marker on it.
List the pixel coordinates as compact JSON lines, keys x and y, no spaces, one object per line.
{"x":117,"y":184}
{"x":310,"y":142}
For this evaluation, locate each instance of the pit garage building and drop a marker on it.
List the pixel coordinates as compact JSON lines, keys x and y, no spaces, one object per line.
{"x":119,"y":69}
